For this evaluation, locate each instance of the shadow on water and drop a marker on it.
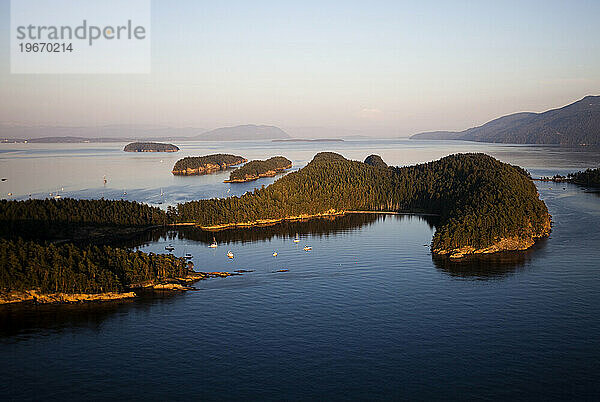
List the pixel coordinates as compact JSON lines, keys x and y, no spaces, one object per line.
{"x":489,"y":266}
{"x":20,"y":321}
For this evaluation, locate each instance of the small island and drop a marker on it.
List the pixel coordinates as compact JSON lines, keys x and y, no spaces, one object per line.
{"x":150,"y":147}
{"x":198,"y":165}
{"x":587,"y":178}
{"x":258,"y":168}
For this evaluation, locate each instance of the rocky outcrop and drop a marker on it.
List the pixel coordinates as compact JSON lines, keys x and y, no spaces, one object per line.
{"x":46,"y":298}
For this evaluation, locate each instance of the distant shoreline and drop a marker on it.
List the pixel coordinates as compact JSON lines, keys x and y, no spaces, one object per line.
{"x":309,"y":140}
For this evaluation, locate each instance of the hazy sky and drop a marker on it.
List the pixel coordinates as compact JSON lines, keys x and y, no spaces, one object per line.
{"x":393,"y":66}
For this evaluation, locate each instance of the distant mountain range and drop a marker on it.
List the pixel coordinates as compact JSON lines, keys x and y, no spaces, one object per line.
{"x":574,"y":124}
{"x":53,"y":134}
{"x":245,"y":132}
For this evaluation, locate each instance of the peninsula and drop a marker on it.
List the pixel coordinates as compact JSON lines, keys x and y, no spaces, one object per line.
{"x":199,"y":165}
{"x":256,"y":169}
{"x":150,"y":147}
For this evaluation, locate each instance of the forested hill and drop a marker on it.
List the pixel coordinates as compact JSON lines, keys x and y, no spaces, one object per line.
{"x":480,"y":199}
{"x":574,"y":124}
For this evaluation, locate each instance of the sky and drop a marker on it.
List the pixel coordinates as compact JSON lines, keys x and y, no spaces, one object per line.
{"x":372,"y":67}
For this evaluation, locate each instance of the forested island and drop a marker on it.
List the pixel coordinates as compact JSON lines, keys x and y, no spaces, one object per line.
{"x":588,"y":178}
{"x":198,"y":165}
{"x":483,"y":206}
{"x":150,"y":147}
{"x":256,"y":169}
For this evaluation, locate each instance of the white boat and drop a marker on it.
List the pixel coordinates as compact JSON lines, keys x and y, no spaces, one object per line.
{"x":213,"y":244}
{"x":307,"y":248}
{"x":229,"y":254}
{"x":188,"y":255}
{"x":169,"y":247}
{"x":274,"y":253}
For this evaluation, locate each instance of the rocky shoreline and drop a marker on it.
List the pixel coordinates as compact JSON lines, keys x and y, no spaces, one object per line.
{"x":266,"y":222}
{"x":268,"y":173}
{"x":167,"y":284}
{"x":513,"y":243}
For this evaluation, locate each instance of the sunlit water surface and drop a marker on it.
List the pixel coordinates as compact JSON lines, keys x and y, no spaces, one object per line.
{"x":368,"y":313}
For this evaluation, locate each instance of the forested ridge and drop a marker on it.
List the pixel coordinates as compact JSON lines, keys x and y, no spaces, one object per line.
{"x":66,"y":268}
{"x":479,"y":199}
{"x":257,"y":168}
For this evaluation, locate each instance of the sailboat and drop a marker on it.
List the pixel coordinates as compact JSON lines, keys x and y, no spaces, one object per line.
{"x":296,"y":239}
{"x":161,"y":196}
{"x":213,"y":244}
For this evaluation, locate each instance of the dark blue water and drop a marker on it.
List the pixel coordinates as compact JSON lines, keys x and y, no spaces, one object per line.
{"x":367,"y":314}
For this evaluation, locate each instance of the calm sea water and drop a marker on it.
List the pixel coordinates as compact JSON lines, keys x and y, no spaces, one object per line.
{"x":367,"y":314}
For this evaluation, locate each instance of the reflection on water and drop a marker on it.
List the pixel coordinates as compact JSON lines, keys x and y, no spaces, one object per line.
{"x":367,"y":313}
{"x":327,"y":226}
{"x":488,"y":266}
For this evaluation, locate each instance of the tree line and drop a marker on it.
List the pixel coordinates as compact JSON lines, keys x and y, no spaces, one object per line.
{"x":66,"y":268}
